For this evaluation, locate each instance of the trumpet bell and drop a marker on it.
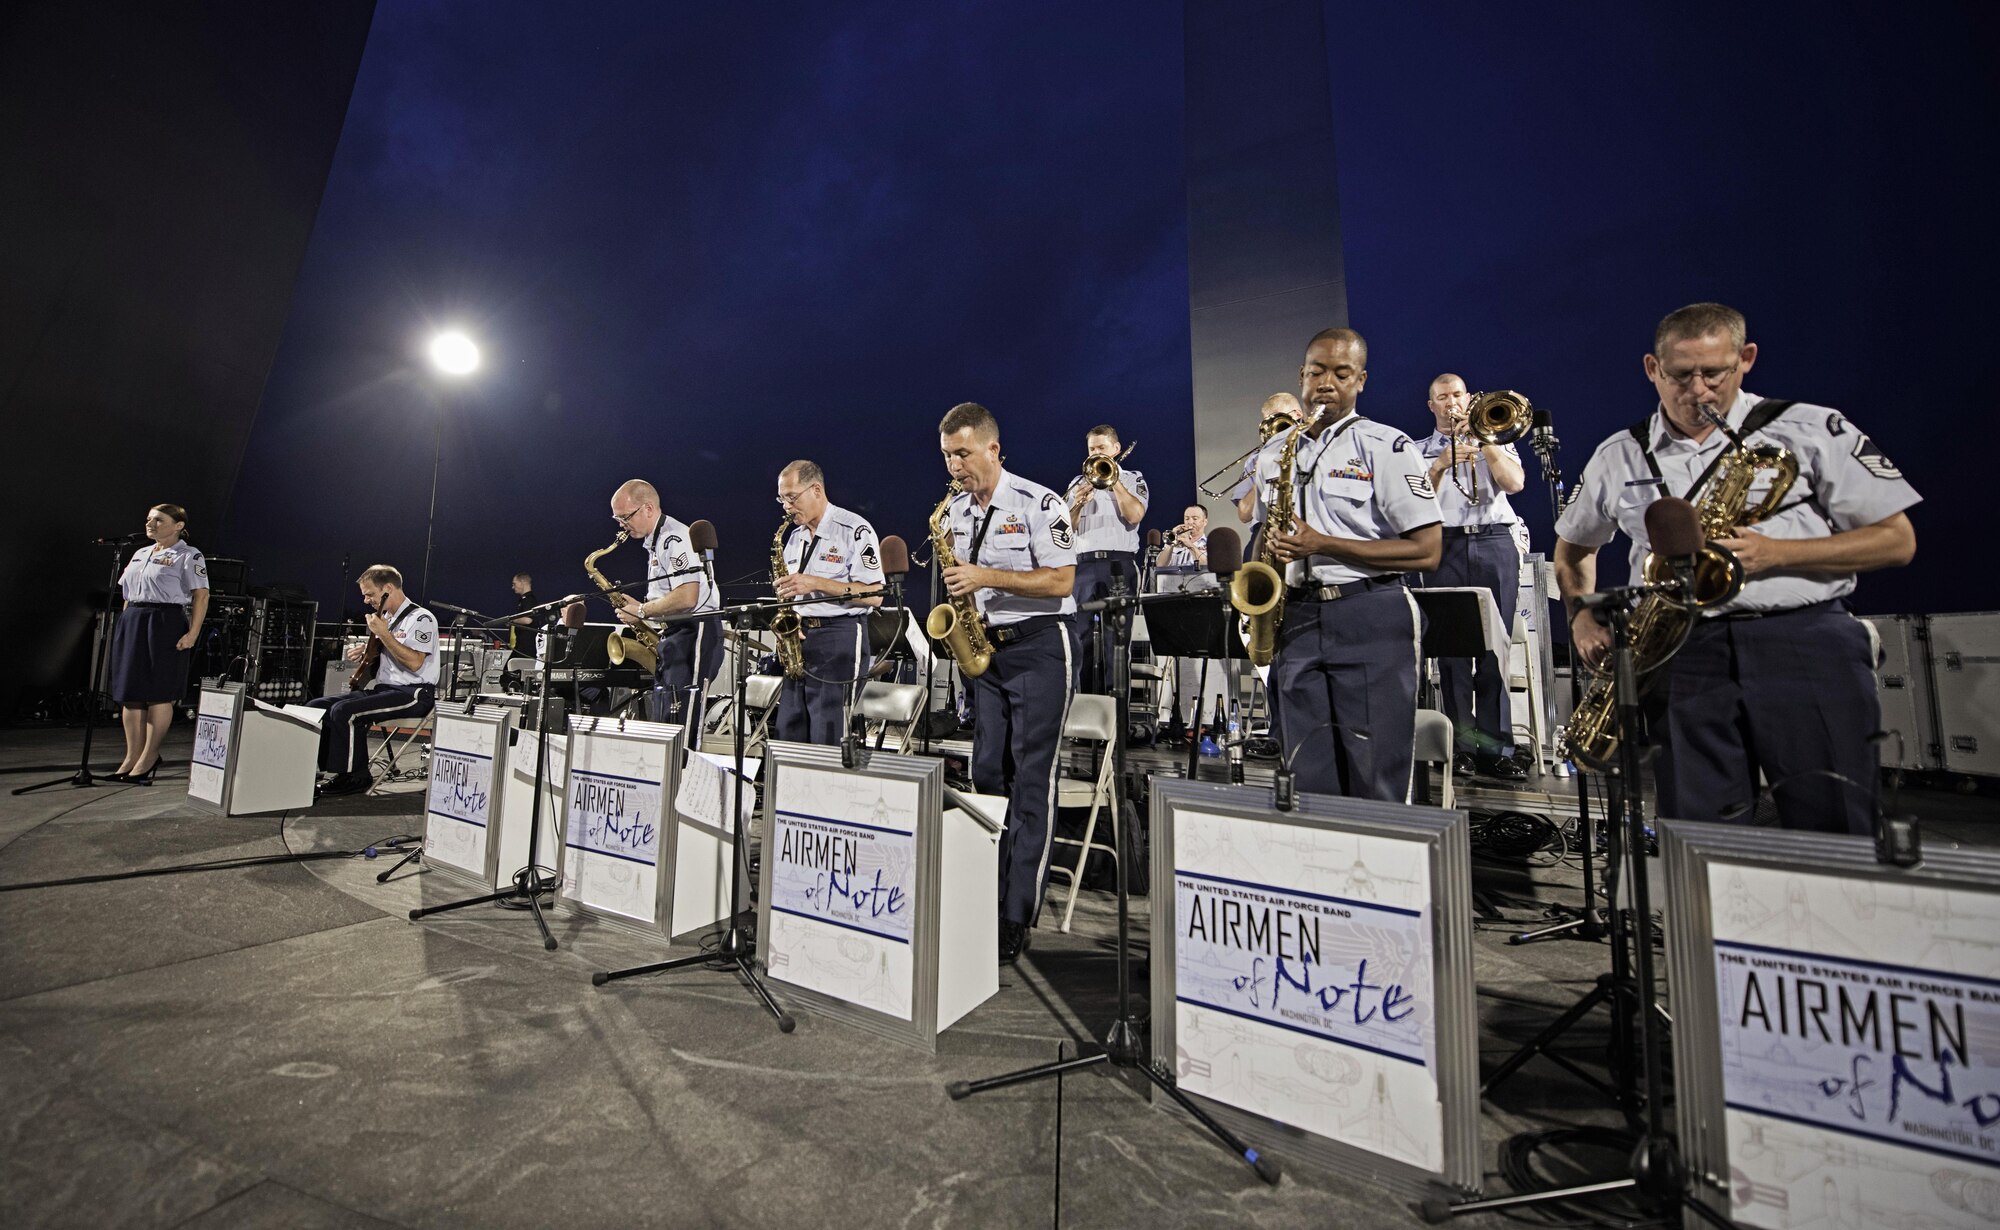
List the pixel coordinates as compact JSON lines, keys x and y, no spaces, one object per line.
{"x":1500,"y":417}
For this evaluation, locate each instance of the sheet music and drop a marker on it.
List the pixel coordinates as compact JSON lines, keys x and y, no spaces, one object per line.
{"x":707,"y":787}
{"x":304,"y":713}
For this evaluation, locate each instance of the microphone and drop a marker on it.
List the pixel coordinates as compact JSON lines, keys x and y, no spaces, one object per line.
{"x":1154,"y":540}
{"x":1225,"y":551}
{"x":701,"y":536}
{"x":572,"y":619}
{"x":895,"y":557}
{"x":118,"y":540}
{"x":895,"y":566}
{"x":1542,"y":436}
{"x":1673,"y":530}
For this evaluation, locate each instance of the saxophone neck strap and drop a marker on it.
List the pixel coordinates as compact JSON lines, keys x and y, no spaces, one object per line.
{"x":1760,"y":416}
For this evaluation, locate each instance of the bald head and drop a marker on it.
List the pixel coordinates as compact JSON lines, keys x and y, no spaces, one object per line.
{"x":1280,"y":403}
{"x":635,"y":506}
{"x":1448,"y":403}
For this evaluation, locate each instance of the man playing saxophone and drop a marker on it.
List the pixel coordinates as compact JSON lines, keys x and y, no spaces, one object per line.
{"x":1779,"y":678}
{"x":831,"y":554}
{"x":1017,"y":558}
{"x":676,"y":583}
{"x":1345,"y":675}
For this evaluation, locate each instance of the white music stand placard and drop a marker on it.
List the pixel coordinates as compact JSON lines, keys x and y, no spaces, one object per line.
{"x":1312,"y":979}
{"x":877,"y":902}
{"x":616,"y":854}
{"x":252,"y":757}
{"x":1836,"y":1028}
{"x":464,"y":801}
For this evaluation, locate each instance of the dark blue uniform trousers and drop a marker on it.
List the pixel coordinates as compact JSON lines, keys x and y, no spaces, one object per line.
{"x":690,"y":654}
{"x":1473,"y":691}
{"x":1018,"y":709}
{"x":1347,"y":673}
{"x":814,"y":709}
{"x":1792,"y":694}
{"x":343,"y":734}
{"x":1093,"y":581}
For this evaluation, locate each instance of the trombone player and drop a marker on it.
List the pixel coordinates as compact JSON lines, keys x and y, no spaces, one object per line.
{"x":1473,"y":479}
{"x":1106,"y":504}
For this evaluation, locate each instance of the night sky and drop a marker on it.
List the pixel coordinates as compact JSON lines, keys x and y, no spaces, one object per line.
{"x":697,"y":245}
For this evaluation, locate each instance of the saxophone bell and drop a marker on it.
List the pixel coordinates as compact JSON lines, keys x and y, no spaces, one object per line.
{"x":638,"y":645}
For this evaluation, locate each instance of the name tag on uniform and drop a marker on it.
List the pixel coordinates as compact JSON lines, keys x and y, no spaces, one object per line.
{"x":1645,"y":482}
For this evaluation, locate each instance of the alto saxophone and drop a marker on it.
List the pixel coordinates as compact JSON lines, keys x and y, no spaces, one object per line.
{"x":1257,"y":591}
{"x":786,"y":628}
{"x":637,"y":644}
{"x":955,"y":622}
{"x":1659,"y":622}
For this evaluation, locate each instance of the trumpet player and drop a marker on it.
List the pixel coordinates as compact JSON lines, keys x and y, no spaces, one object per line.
{"x":1779,"y":678}
{"x":831,"y":554}
{"x":1017,"y":559}
{"x":1345,"y":674}
{"x":1106,"y":504}
{"x":1187,"y":543}
{"x":1473,"y":480}
{"x":676,"y":583}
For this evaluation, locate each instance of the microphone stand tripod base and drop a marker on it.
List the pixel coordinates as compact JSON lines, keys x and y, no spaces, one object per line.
{"x":735,"y":951}
{"x":1124,"y":1046}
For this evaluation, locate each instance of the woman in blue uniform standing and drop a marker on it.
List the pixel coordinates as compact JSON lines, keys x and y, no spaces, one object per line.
{"x":150,"y":647}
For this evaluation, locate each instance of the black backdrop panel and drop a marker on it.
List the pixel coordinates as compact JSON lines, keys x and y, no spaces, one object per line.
{"x":164,"y":163}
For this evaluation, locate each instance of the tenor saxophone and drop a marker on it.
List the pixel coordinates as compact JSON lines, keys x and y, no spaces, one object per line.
{"x":786,"y":628}
{"x":1257,"y":591}
{"x":638,"y":644}
{"x":955,"y":622}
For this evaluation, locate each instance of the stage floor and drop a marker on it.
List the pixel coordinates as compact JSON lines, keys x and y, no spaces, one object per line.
{"x":279,"y":1046}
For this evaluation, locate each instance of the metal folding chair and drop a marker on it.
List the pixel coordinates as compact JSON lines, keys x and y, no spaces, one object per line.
{"x":1092,"y":719}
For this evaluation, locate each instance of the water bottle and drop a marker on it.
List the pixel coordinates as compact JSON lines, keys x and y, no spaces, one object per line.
{"x":1212,"y":768}
{"x":1235,"y":742}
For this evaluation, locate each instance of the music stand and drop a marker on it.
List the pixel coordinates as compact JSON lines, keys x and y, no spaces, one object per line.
{"x":1195,"y":625}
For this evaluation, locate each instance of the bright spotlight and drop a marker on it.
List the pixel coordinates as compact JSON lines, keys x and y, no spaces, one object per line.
{"x":454,"y":354}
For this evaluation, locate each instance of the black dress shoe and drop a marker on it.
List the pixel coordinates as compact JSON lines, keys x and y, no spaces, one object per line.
{"x":1013,"y":941}
{"x":1464,"y":764}
{"x":345,"y":783}
{"x":1503,"y":768}
{"x":114,"y":777}
{"x":141,"y":779}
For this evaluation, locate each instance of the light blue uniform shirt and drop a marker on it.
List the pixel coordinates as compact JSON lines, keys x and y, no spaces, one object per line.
{"x":1362,"y":480}
{"x":1025,"y":528}
{"x":843,"y":548}
{"x":1455,"y":509}
{"x":417,"y":628}
{"x":1098,"y":525}
{"x":1844,"y":483}
{"x":671,"y":562}
{"x":164,"y":574}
